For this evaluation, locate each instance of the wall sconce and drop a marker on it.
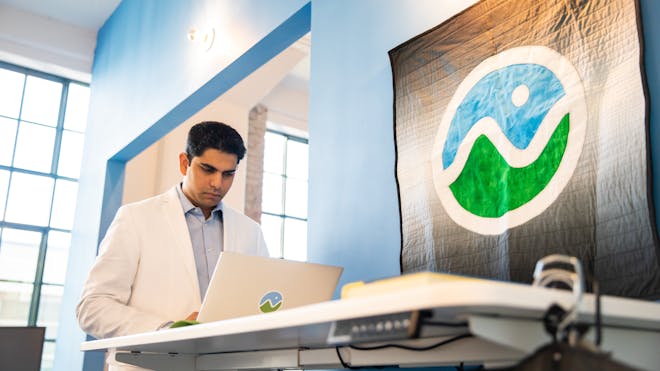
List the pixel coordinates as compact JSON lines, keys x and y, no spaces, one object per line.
{"x":202,"y":37}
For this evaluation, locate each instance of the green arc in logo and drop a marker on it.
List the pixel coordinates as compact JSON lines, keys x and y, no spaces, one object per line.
{"x":489,"y":187}
{"x":267,"y":307}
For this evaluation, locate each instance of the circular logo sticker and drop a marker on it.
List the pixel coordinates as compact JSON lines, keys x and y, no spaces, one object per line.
{"x":270,"y":302}
{"x":510,"y":139}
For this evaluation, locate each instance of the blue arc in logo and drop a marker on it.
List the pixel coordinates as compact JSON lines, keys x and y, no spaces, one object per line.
{"x":271,"y":301}
{"x":491,"y":97}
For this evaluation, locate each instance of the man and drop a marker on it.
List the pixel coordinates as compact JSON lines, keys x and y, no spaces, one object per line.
{"x":158,"y":255}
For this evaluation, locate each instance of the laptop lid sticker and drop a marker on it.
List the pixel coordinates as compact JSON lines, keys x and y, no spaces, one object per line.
{"x":270,"y":302}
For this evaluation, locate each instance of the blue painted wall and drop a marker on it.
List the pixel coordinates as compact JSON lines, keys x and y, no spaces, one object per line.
{"x":146,"y":78}
{"x":650,"y":12}
{"x":353,"y":206}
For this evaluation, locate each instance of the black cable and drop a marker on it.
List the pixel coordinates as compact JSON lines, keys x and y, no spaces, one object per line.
{"x":421,"y":349}
{"x":341,"y":360}
{"x":598,"y":323}
{"x":415,"y":349}
{"x":346,"y":365}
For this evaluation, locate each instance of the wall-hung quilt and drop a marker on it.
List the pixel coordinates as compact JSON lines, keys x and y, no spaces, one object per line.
{"x":521,"y":130}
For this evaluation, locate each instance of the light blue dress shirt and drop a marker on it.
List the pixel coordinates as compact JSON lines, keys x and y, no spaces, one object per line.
{"x":206,"y":238}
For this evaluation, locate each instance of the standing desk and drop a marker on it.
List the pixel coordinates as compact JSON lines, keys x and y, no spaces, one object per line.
{"x":504,"y":321}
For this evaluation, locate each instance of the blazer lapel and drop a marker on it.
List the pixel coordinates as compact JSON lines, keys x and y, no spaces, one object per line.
{"x":178,"y":230}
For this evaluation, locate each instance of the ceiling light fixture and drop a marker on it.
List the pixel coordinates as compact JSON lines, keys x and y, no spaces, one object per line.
{"x":202,"y":37}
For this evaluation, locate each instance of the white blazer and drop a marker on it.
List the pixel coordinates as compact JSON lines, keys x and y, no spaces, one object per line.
{"x":145,"y":273}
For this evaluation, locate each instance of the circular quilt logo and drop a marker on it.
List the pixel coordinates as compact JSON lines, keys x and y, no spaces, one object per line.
{"x":270,"y":302}
{"x":510,"y":139}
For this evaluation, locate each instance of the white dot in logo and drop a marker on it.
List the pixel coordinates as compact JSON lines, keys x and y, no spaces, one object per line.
{"x":520,"y":95}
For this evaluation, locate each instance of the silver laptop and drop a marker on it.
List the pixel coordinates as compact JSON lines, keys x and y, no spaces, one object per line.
{"x":244,"y":285}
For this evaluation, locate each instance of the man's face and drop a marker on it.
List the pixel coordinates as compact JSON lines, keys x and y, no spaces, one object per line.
{"x":207,"y":178}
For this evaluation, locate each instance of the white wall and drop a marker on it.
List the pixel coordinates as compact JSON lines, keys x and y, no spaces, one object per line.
{"x":157,"y":168}
{"x":45,"y":44}
{"x":289,"y":107}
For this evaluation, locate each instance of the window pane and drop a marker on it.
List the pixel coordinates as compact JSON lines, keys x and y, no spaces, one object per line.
{"x":7,"y":139}
{"x":64,"y":204}
{"x":76,"y":108}
{"x":34,"y":147}
{"x":19,"y":251}
{"x":14,"y":303}
{"x":271,"y":200}
{"x":48,"y":356}
{"x":296,"y":198}
{"x":70,"y":154}
{"x":295,"y":239}
{"x":296,"y":160}
{"x":11,"y":91}
{"x":274,"y":153}
{"x":41,"y":103}
{"x":29,"y":199}
{"x":57,"y":255}
{"x":272,"y":228}
{"x":4,"y":182}
{"x":49,"y":309}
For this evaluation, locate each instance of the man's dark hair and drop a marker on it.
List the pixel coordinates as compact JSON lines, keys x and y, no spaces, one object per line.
{"x":216,"y":135}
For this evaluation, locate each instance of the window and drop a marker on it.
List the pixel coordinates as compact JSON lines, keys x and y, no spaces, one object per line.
{"x":42,"y":125}
{"x":284,"y":197}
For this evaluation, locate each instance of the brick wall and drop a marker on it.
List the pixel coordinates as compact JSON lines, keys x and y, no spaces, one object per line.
{"x":255,"y":161}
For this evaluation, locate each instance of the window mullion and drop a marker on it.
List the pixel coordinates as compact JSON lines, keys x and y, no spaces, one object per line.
{"x":25,"y":227}
{"x":40,"y":173}
{"x":4,"y":212}
{"x":13,"y":154}
{"x":284,"y":170}
{"x":38,"y":280}
{"x":59,"y":131}
{"x":19,"y":120}
{"x":58,"y":143}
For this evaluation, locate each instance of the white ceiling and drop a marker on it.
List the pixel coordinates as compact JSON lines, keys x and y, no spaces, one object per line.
{"x":87,"y":14}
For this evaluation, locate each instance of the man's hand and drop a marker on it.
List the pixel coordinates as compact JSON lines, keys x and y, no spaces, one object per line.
{"x":190,"y":320}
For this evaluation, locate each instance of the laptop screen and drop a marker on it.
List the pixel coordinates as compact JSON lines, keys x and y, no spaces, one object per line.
{"x":245,"y":285}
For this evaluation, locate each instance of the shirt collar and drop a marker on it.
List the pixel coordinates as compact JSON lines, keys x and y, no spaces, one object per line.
{"x":188,"y":206}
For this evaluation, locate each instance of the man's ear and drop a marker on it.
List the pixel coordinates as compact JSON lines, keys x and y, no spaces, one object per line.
{"x":183,"y":163}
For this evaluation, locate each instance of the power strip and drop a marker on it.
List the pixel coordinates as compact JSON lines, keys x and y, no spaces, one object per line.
{"x":396,"y":326}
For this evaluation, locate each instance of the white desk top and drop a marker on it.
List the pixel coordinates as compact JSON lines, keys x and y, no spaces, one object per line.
{"x":449,"y":301}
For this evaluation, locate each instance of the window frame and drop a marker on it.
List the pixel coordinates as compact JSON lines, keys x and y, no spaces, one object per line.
{"x":284,"y":176}
{"x":38,"y":281}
